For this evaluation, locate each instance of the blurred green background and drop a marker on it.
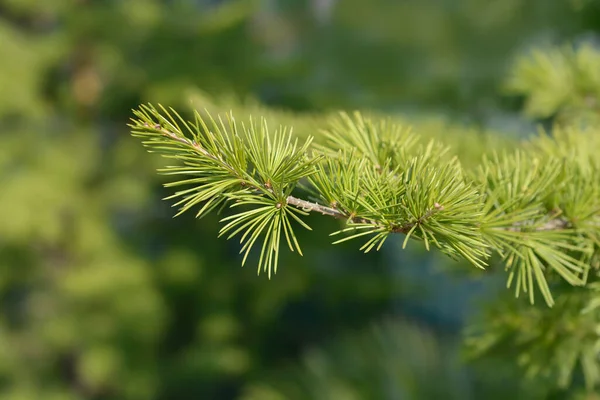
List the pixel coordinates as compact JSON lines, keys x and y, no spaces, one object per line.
{"x":105,"y":296}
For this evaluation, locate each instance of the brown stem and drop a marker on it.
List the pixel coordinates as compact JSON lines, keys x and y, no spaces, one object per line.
{"x":333,"y":212}
{"x":316,"y":207}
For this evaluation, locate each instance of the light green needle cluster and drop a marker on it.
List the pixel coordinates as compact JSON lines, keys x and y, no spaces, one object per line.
{"x":536,"y":207}
{"x":237,"y":165}
{"x":543,"y":218}
{"x":561,"y":81}
{"x":527,"y":231}
{"x":387,"y":182}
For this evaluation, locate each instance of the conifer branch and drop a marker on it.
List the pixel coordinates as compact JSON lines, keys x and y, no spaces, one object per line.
{"x":380,"y":180}
{"x":334,"y":212}
{"x":555,"y":224}
{"x":304,"y":205}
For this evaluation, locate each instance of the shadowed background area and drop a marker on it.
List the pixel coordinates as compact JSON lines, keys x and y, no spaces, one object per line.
{"x":103,"y":295}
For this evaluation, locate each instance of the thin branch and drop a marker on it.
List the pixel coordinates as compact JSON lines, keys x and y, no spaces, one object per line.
{"x":333,"y":212}
{"x":180,"y":139}
{"x":315,"y":207}
{"x":554,"y":224}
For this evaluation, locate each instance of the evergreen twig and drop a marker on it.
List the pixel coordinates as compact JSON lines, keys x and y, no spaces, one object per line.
{"x":380,"y":180}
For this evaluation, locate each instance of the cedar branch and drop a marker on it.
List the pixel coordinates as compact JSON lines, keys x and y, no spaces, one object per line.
{"x":553,"y":224}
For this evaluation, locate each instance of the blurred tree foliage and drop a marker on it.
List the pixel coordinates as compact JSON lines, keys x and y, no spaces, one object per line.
{"x":560,"y":83}
{"x":104,"y":296}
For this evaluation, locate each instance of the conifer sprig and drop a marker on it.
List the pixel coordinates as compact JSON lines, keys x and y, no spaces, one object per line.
{"x":242,"y":166}
{"x":528,"y":236}
{"x":538,"y":210}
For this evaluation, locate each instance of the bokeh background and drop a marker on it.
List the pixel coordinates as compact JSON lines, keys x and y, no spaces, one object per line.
{"x":103,"y":295}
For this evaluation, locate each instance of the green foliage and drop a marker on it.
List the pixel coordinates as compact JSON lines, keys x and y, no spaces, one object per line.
{"x":559,"y":82}
{"x":104,"y":296}
{"x":560,"y":171}
{"x":247,"y":168}
{"x":389,"y":360}
{"x":558,"y":343}
{"x":403,"y":187}
{"x":550,"y":345}
{"x":516,"y":187}
{"x":380,"y":181}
